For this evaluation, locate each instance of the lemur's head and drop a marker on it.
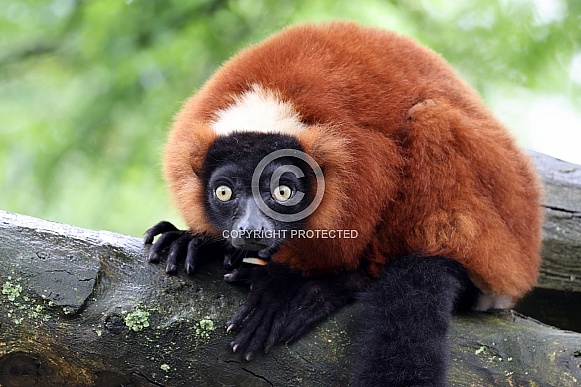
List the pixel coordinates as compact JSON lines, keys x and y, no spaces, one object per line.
{"x":248,"y":168}
{"x":257,"y":188}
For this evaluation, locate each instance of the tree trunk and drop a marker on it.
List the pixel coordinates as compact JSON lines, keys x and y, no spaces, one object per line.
{"x":82,"y":308}
{"x":557,"y":298}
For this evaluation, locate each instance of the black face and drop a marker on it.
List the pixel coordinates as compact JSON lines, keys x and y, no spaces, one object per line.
{"x":255,"y":210}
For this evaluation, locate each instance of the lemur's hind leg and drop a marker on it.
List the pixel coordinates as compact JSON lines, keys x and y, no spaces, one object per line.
{"x":404,"y":323}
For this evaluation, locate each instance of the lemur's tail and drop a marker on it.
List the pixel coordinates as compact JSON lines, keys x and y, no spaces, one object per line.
{"x":405,"y":320}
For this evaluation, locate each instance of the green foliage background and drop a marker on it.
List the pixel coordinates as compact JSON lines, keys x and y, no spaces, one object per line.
{"x":88,"y":88}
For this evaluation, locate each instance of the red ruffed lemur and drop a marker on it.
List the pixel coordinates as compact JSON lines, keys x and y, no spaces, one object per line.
{"x":355,"y":165}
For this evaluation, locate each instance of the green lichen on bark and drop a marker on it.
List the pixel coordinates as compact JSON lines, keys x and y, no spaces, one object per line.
{"x":11,"y":290}
{"x":203,"y":329}
{"x":137,"y":320}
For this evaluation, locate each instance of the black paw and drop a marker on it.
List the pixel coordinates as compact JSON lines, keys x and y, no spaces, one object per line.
{"x":282,"y":306}
{"x":178,"y":244}
{"x":260,"y":321}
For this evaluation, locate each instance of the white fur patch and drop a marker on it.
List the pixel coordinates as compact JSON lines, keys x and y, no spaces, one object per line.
{"x":493,"y":301}
{"x":258,"y":110}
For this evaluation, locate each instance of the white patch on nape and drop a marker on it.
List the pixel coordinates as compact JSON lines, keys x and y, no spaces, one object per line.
{"x":258,"y":110}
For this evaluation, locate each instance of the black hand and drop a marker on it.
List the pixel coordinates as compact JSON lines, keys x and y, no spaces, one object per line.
{"x":282,"y":306}
{"x":264,"y":311}
{"x":180,"y":244}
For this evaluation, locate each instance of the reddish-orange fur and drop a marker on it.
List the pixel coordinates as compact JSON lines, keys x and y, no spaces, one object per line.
{"x":413,"y":160}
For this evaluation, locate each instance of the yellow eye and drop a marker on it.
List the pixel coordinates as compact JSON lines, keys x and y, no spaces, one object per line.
{"x":224,"y":193}
{"x":282,"y":193}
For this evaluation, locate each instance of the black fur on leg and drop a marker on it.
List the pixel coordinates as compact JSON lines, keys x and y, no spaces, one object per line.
{"x":404,"y":323}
